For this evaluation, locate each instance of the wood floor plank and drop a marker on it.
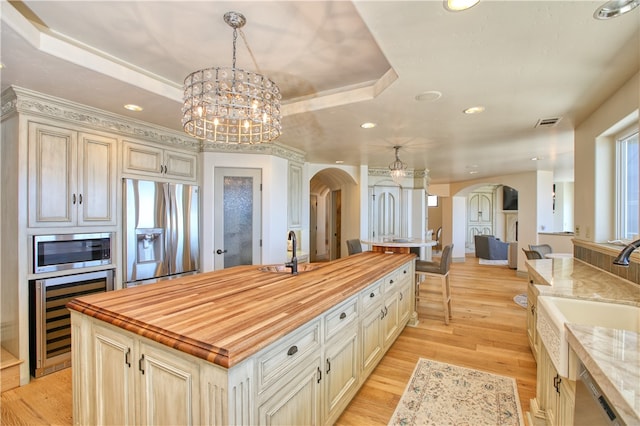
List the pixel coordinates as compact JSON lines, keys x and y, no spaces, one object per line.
{"x":487,"y":333}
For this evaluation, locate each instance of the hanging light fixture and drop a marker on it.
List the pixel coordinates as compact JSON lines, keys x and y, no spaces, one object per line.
{"x":231,"y":105}
{"x":398,"y":168}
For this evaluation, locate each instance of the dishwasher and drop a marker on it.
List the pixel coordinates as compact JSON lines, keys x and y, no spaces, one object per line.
{"x":592,"y":407}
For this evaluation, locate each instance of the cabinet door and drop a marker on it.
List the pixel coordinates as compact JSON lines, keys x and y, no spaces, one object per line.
{"x":341,"y":373}
{"x":371,"y":339}
{"x":96,"y":180}
{"x":114,"y":378}
{"x":181,"y":165}
{"x":142,"y":159}
{"x":52,"y":176}
{"x":532,"y":333}
{"x":390,"y":321}
{"x":169,"y":387}
{"x":296,"y":401}
{"x":405,"y":302}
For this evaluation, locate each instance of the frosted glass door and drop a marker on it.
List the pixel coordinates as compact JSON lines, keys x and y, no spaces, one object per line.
{"x":237,"y":217}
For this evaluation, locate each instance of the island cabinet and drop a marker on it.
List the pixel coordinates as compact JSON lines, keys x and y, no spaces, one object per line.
{"x":72,"y":177}
{"x":297,"y":355}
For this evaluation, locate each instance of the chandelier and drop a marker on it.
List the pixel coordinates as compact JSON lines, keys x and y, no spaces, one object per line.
{"x":398,"y":168}
{"x":231,"y":105}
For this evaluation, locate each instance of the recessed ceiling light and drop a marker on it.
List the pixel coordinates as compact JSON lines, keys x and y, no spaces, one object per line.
{"x":133,"y":107}
{"x":430,"y":96}
{"x":339,"y":162}
{"x":473,"y":172}
{"x":458,"y":5}
{"x":614,"y":8}
{"x":474,"y":110}
{"x":536,"y":158}
{"x":368,"y":125}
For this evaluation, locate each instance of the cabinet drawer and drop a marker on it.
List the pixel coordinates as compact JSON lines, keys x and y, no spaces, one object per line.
{"x":371,"y":297}
{"x":393,"y":281}
{"x":340,"y":317}
{"x":285,"y":354}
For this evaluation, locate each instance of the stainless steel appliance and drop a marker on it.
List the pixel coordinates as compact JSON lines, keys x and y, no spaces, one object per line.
{"x":50,"y":325}
{"x":592,"y":407}
{"x":161,"y":230}
{"x":71,"y":251}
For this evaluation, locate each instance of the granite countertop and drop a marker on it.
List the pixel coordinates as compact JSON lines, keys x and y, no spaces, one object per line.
{"x":228,"y":315}
{"x":611,"y":356}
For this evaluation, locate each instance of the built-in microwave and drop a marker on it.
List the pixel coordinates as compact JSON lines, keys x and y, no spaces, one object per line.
{"x":71,"y":251}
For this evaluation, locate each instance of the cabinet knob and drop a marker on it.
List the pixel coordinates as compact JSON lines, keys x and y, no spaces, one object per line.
{"x":372,"y":295}
{"x":292,"y":350}
{"x":343,"y":316}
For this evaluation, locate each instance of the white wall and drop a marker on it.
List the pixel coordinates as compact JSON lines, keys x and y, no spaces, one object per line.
{"x":594,"y":169}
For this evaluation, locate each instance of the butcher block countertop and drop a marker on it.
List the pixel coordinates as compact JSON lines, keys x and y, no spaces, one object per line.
{"x":228,"y":315}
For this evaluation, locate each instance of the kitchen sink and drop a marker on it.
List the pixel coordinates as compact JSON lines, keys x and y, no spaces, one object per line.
{"x":302,"y":267}
{"x":554,"y":312}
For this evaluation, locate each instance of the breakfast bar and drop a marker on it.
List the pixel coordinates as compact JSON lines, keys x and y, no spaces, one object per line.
{"x":242,"y":345}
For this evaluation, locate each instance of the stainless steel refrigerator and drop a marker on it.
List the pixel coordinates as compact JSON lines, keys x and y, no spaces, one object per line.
{"x":161,"y":230}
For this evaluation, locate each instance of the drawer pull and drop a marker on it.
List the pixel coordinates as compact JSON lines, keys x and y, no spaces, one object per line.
{"x":343,"y":316}
{"x":372,"y":295}
{"x":292,"y":350}
{"x":390,"y":281}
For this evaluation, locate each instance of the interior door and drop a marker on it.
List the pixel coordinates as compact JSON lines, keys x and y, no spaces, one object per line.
{"x":237,"y":217}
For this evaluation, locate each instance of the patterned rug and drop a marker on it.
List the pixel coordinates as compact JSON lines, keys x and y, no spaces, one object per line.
{"x":521,"y":299}
{"x":440,"y":393}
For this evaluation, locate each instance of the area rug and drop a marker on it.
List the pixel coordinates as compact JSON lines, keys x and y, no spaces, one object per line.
{"x":445,"y":394}
{"x":521,"y":299}
{"x":493,"y":262}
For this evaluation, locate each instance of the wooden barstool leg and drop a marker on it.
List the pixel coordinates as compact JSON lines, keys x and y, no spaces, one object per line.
{"x":446,"y":298}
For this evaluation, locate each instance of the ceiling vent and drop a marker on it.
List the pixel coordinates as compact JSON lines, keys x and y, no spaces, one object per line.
{"x":547,"y":122}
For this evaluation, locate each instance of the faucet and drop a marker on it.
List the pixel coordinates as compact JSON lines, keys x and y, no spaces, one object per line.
{"x":623,"y":256}
{"x":294,"y":260}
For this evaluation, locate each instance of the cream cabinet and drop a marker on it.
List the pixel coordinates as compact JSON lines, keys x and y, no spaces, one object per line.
{"x":140,"y":382}
{"x":532,"y":319}
{"x":72,"y":177}
{"x":555,"y":394}
{"x":152,"y":161}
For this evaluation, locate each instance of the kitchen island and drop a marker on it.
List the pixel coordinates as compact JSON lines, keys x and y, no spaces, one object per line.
{"x":610,"y":355}
{"x":240,"y":345}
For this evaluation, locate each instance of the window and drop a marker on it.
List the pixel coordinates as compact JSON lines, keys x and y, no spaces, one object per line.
{"x":628,"y":186}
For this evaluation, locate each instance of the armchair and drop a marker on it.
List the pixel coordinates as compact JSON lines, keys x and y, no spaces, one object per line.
{"x":489,"y":247}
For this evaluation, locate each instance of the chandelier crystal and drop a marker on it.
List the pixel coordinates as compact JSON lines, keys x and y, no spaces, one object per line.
{"x":397,"y":168}
{"x":229,"y":104}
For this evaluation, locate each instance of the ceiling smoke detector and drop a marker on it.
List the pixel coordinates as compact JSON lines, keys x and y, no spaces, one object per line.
{"x":547,"y":122}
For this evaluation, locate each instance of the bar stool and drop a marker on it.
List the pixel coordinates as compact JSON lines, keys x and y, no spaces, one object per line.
{"x":425,"y":269}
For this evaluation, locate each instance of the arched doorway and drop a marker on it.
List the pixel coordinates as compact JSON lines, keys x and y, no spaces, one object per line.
{"x":334,"y":214}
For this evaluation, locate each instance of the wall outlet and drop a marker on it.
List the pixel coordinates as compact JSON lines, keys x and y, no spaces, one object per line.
{"x":587,"y":234}
{"x":577,"y":231}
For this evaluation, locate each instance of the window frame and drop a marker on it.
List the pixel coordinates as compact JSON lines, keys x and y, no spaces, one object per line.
{"x":621,"y":139}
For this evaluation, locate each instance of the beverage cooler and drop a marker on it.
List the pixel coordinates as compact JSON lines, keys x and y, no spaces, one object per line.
{"x":50,"y":322}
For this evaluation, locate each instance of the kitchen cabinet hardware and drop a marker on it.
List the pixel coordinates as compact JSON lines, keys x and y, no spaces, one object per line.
{"x":343,"y":316}
{"x":319,"y":374}
{"x":372,"y":295}
{"x":328,"y":365}
{"x":127,"y":357}
{"x":141,"y":363}
{"x":292,"y":350}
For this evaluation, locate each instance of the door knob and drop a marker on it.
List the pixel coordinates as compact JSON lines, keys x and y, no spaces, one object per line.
{"x":220,"y":251}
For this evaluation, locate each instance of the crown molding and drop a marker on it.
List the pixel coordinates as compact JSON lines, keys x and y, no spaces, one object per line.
{"x":24,"y":101}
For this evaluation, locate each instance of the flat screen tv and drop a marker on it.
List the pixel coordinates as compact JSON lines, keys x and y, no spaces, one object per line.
{"x":509,"y":198}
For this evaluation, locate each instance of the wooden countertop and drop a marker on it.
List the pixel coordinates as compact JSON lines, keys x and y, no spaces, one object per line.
{"x":228,"y":315}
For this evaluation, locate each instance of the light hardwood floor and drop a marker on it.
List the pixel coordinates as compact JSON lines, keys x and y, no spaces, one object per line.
{"x":487,"y":333}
